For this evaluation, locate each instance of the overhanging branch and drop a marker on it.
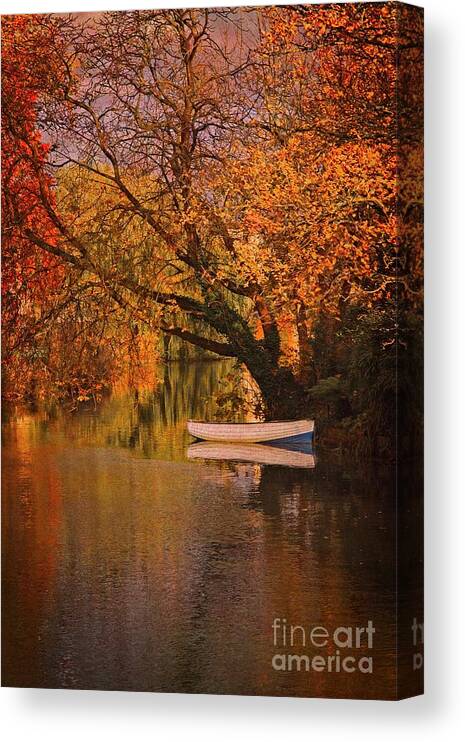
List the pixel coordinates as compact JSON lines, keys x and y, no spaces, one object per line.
{"x":221,"y":349}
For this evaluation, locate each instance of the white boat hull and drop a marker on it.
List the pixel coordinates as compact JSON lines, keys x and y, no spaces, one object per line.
{"x":251,"y":452}
{"x":293,"y":430}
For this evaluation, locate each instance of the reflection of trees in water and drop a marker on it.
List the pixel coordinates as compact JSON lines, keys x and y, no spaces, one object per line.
{"x":191,"y":560}
{"x":155,"y":421}
{"x":187,"y":390}
{"x":150,"y":421}
{"x":343,"y":516}
{"x":315,"y":546}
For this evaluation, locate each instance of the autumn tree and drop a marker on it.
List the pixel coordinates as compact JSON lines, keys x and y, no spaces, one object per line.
{"x":361,"y":122}
{"x":60,"y":336}
{"x":30,"y":276}
{"x":148,"y":101}
{"x":245,"y":169}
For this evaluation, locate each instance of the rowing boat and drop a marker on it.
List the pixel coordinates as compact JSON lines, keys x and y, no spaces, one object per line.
{"x":253,"y":453}
{"x":282,"y":430}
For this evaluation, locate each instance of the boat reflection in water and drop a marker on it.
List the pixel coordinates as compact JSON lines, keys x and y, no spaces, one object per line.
{"x":293,"y":455}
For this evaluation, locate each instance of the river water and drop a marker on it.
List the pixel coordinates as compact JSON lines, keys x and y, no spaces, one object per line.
{"x":128,"y":565}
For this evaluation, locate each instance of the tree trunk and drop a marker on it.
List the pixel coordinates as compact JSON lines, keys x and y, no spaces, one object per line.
{"x":283,"y":396}
{"x":307,"y":370}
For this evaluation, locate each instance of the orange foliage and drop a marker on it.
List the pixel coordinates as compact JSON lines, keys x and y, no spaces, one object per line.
{"x":264,"y":173}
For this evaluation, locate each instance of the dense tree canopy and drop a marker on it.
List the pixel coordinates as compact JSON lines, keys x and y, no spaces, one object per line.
{"x":227,"y":177}
{"x":30,"y":276}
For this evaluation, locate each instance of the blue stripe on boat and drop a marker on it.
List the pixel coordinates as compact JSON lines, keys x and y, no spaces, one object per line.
{"x":293,"y":439}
